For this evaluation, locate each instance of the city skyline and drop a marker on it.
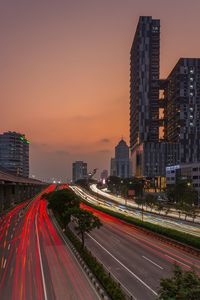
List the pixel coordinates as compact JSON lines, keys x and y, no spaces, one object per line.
{"x":45,"y":60}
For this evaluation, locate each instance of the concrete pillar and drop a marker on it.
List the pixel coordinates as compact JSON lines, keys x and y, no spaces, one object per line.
{"x":1,"y":197}
{"x":24,"y":190}
{"x":28,"y":192}
{"x":8,"y":196}
{"x":17,"y":193}
{"x":20,"y":193}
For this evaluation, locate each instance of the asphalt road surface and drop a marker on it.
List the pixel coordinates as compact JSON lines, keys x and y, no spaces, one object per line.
{"x":136,"y":260}
{"x":118,"y":204}
{"x":35,"y":263}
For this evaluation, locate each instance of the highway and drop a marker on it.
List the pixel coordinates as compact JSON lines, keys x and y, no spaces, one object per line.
{"x":118,"y":204}
{"x":131,"y":203}
{"x":136,"y":260}
{"x":35,"y":262}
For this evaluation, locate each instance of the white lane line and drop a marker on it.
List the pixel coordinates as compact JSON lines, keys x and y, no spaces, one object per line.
{"x":40,"y":257}
{"x":153,"y":262}
{"x":11,"y":236}
{"x":68,"y":248}
{"x":133,"y":274}
{"x":8,"y":246}
{"x":4,"y":264}
{"x":178,"y":261}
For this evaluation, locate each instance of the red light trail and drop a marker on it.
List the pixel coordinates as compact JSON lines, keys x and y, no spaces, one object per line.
{"x":35,"y":262}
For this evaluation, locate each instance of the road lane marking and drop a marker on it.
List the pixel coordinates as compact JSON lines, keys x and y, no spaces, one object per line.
{"x":8,"y":246}
{"x":178,"y":261}
{"x":4,"y":244}
{"x":11,"y":236}
{"x":133,"y":274}
{"x":153,"y":262}
{"x":4,"y":264}
{"x":40,"y":257}
{"x":72,"y":253}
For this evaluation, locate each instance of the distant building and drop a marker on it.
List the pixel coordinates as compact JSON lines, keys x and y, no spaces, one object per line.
{"x":104,"y":175}
{"x":79,"y":170}
{"x":190,"y":172}
{"x":121,"y":165}
{"x":14,"y":153}
{"x":182,"y":108}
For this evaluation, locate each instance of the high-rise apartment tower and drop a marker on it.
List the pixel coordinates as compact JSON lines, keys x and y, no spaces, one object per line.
{"x":14,"y":153}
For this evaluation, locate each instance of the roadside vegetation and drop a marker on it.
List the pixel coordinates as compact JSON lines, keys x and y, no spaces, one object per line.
{"x":173,"y":234}
{"x":181,"y":197}
{"x":183,"y":285}
{"x":65,"y":205}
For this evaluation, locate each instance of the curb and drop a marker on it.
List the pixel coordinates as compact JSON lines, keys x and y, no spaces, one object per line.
{"x":97,"y":286}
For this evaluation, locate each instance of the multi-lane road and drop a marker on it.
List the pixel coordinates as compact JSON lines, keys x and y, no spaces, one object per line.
{"x":35,"y":262}
{"x":137,"y":260}
{"x":118,"y":204}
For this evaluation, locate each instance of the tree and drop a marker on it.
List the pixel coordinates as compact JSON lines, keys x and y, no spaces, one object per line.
{"x":114,"y":184}
{"x":85,"y":222}
{"x":150,"y":200}
{"x":193,"y":212}
{"x":167,"y":209}
{"x":183,"y":197}
{"x":136,"y":184}
{"x":159,"y":206}
{"x":183,"y":285}
{"x":140,"y":201}
{"x":62,"y":202}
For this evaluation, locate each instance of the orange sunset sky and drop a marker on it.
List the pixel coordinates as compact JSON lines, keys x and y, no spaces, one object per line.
{"x":64,"y":73}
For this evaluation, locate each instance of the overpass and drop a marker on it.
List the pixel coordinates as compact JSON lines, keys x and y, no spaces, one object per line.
{"x":14,"y":188}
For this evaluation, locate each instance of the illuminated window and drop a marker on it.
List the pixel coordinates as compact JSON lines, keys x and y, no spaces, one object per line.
{"x":161,"y":132}
{"x":161,"y":113}
{"x":161,"y":94}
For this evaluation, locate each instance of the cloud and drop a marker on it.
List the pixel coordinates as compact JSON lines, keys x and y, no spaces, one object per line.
{"x":81,"y":118}
{"x":104,"y":151}
{"x":62,"y":152}
{"x":39,"y":145}
{"x":105,"y":140}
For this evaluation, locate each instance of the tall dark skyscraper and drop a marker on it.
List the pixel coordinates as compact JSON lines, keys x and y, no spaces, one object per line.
{"x":150,"y":152}
{"x":14,"y":153}
{"x":144,"y":82}
{"x":182,"y":108}
{"x":164,"y":114}
{"x":144,"y":88}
